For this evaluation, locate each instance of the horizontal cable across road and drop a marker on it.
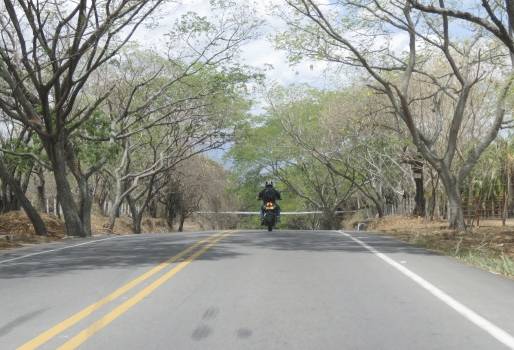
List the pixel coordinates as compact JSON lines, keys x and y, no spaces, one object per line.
{"x":282,"y":213}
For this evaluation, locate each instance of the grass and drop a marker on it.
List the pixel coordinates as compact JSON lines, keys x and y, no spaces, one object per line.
{"x":486,"y":259}
{"x":490,"y":247}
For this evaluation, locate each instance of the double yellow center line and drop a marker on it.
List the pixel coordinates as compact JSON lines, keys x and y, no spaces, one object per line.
{"x":191,"y":253}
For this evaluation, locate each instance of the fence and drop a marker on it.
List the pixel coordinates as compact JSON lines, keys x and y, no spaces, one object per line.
{"x":491,"y":209}
{"x":475,"y":210}
{"x":404,"y":207}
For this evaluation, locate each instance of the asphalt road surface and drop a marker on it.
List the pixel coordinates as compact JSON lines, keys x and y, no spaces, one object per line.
{"x":249,"y":290}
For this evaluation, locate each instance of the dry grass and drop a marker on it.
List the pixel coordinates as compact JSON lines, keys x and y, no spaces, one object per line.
{"x":122,"y":226}
{"x":491,"y":246}
{"x":16,"y":229}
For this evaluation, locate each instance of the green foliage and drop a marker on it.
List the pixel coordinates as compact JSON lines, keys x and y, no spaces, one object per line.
{"x":91,"y":152}
{"x":267,"y":150}
{"x":22,"y":164}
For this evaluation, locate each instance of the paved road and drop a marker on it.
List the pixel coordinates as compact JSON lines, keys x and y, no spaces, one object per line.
{"x":249,"y":290}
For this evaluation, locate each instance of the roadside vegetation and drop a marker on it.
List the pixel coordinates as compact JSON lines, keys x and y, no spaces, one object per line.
{"x":490,"y":247}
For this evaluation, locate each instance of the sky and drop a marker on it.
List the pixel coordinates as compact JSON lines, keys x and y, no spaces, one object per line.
{"x":258,"y":53}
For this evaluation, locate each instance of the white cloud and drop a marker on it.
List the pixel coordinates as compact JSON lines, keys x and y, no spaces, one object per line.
{"x":258,"y":53}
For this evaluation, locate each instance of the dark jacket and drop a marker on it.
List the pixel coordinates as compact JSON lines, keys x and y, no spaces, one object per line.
{"x":269,"y":194}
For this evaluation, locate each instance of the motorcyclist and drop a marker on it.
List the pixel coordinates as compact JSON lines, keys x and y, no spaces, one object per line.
{"x":270,"y":194}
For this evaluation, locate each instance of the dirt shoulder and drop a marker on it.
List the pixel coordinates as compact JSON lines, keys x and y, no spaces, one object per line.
{"x":16,"y":229}
{"x":490,"y":247}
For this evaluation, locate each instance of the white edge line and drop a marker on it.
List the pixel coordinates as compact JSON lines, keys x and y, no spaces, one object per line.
{"x":495,"y":331}
{"x":57,"y":249}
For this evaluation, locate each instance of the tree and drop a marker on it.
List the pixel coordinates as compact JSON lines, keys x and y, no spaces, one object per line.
{"x":359,"y":144}
{"x":35,"y":218}
{"x":159,"y":124}
{"x":48,"y":54}
{"x":496,"y":17}
{"x":268,"y":150}
{"x":16,"y":166}
{"x":362,"y":34}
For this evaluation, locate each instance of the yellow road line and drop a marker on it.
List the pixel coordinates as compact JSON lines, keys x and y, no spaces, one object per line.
{"x":72,"y":320}
{"x":88,"y":332}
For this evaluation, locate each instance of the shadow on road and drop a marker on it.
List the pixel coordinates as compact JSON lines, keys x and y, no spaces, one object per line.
{"x":119,"y":253}
{"x":151,"y":250}
{"x":330,"y":241}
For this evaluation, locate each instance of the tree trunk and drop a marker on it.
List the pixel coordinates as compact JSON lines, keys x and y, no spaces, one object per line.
{"x":40,"y":189}
{"x":455,"y":212}
{"x":152,"y":209}
{"x":417,"y":169}
{"x":170,"y":215}
{"x":72,"y":219}
{"x":86,"y":204}
{"x":181,"y":223}
{"x":510,"y":189}
{"x":505,"y":209}
{"x":136,"y":223}
{"x":4,"y":197}
{"x":505,"y":214}
{"x":100,"y":202}
{"x":169,"y":222}
{"x":10,"y":201}
{"x":434,"y":196}
{"x":137,"y":216}
{"x":33,"y":215}
{"x":380,"y":209}
{"x":328,"y":220}
{"x":26,"y":181}
{"x":113,"y":210}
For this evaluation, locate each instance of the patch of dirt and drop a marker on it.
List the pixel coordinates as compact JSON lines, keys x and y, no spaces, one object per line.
{"x":154,"y":225}
{"x":192,"y":226}
{"x":122,"y":226}
{"x":15,"y":229}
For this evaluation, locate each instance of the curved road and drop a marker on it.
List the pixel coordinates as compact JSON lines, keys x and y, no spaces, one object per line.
{"x":249,"y":290}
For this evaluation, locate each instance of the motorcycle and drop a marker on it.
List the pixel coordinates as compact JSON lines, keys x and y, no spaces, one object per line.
{"x":270,"y":216}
